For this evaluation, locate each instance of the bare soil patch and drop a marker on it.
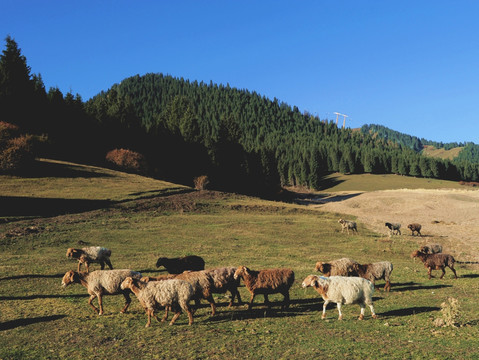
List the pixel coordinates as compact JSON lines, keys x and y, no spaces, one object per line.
{"x":449,"y":217}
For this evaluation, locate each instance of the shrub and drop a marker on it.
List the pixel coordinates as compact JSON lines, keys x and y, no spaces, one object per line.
{"x":450,"y":313}
{"x":127,"y":160}
{"x":200,"y":182}
{"x":16,"y":152}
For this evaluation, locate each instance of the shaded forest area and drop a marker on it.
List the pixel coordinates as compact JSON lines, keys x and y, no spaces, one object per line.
{"x":177,"y":130}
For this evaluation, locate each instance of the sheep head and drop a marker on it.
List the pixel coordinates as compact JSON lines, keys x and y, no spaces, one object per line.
{"x":72,"y":252}
{"x":69,"y":278}
{"x":340,"y":221}
{"x":310,"y":280}
{"x":323,"y":267}
{"x":418,"y":253}
{"x":127,"y":283}
{"x":240,"y":272}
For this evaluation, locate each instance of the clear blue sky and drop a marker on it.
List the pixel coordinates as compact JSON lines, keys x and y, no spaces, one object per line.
{"x":412,"y":66}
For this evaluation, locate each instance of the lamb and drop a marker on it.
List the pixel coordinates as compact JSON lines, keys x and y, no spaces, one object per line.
{"x":343,"y":290}
{"x":340,"y":267}
{"x":178,"y":265}
{"x":436,"y":262}
{"x":431,"y":249}
{"x":224,"y":280}
{"x":92,"y":254}
{"x":172,"y":294}
{"x":414,"y":227}
{"x":377,"y":271}
{"x":270,"y":281}
{"x":101,"y":282}
{"x":347,"y":224}
{"x":394,"y":228}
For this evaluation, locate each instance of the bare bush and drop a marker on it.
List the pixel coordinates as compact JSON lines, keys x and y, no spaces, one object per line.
{"x":200,"y":182}
{"x":127,"y":160}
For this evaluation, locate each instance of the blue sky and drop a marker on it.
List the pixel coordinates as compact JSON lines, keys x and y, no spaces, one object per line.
{"x":412,"y":66}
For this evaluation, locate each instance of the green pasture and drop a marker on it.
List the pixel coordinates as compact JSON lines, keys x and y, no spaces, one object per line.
{"x":40,"y":320}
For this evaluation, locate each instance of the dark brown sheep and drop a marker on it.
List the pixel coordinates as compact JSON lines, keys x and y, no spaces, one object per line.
{"x":271,"y":281}
{"x":415,"y":228}
{"x":436,"y":262}
{"x":178,"y":265}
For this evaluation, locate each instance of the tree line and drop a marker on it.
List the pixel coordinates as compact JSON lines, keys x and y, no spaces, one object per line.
{"x":241,"y":140}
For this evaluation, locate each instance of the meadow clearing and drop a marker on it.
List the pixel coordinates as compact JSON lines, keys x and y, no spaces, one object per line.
{"x":140,"y":219}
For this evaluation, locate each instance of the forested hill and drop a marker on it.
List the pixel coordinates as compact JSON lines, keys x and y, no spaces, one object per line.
{"x":226,"y":130}
{"x":468,"y":153}
{"x":177,"y":130}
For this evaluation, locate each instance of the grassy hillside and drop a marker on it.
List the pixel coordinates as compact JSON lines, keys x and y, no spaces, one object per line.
{"x":39,"y":319}
{"x":442,"y":153}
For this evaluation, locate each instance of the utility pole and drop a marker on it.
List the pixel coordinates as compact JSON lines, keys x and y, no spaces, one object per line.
{"x":344,"y":120}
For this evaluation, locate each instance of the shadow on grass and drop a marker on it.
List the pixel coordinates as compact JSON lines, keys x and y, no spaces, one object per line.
{"x":410,"y":286}
{"x":42,"y":296}
{"x":469,"y":276}
{"x":41,"y":169}
{"x":46,"y":207}
{"x":409,"y":311}
{"x":32,"y":276}
{"x":24,"y":322}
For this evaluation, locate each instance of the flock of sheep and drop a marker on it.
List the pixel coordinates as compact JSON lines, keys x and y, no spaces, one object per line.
{"x":345,"y":281}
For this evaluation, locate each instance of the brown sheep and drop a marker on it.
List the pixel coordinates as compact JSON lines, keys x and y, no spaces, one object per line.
{"x":92,"y":254}
{"x":377,"y":271}
{"x":223,"y":280}
{"x":340,"y":267}
{"x":271,"y":281}
{"x":415,"y":228}
{"x":436,"y":262}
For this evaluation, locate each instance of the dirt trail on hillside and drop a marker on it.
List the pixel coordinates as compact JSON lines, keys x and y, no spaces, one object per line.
{"x":448,"y":217}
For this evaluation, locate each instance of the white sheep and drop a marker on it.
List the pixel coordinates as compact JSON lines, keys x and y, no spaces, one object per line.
{"x":172,"y":294}
{"x":92,"y":254}
{"x":102,"y":282}
{"x":343,"y":290}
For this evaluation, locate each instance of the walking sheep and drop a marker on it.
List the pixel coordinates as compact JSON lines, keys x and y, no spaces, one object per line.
{"x":224,"y":280}
{"x":172,"y":294}
{"x":348,"y":225}
{"x":102,"y":282}
{"x":271,"y":281}
{"x":343,"y":290}
{"x":178,"y":265}
{"x":436,"y":262}
{"x":415,"y":228}
{"x":431,"y":249}
{"x":394,"y":228}
{"x":92,"y":254}
{"x":340,"y":267}
{"x":377,"y":271}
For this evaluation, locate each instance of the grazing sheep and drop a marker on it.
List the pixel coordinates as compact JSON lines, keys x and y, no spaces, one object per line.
{"x":394,"y":228}
{"x":92,"y":254}
{"x":178,"y":265}
{"x":431,"y":249}
{"x":436,"y":262}
{"x":101,"y":282}
{"x":377,"y":271}
{"x":340,"y":267}
{"x":202,"y":284}
{"x":172,"y":294}
{"x":343,"y":290}
{"x":266,"y":282}
{"x":224,"y":280}
{"x":347,"y":224}
{"x":415,"y":228}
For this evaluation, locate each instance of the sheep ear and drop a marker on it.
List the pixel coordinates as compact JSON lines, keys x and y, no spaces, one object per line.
{"x":246,"y":270}
{"x":314,"y":283}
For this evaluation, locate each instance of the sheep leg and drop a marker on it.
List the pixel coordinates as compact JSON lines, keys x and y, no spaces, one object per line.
{"x":212,"y":304}
{"x":79,"y":266}
{"x":100,"y":304}
{"x":90,"y":303}
{"x":339,"y":310}
{"x":266,"y":301}
{"x":87,"y":266}
{"x":250,"y":305}
{"x":177,"y":314}
{"x":102,"y":265}
{"x":387,"y":287}
{"x":325,"y":304}
{"x":454,"y":271}
{"x":443,"y":272}
{"x":148,"y":312}
{"x":429,"y":272}
{"x":363,"y":307}
{"x":373,"y":314}
{"x":108,"y":262}
{"x":286,"y":300}
{"x":127,"y":302}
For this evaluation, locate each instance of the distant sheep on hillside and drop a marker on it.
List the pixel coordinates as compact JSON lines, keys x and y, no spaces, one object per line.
{"x":92,"y":254}
{"x":348,"y":225}
{"x":431,"y":248}
{"x":415,"y":228}
{"x":394,"y":228}
{"x":436,"y":262}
